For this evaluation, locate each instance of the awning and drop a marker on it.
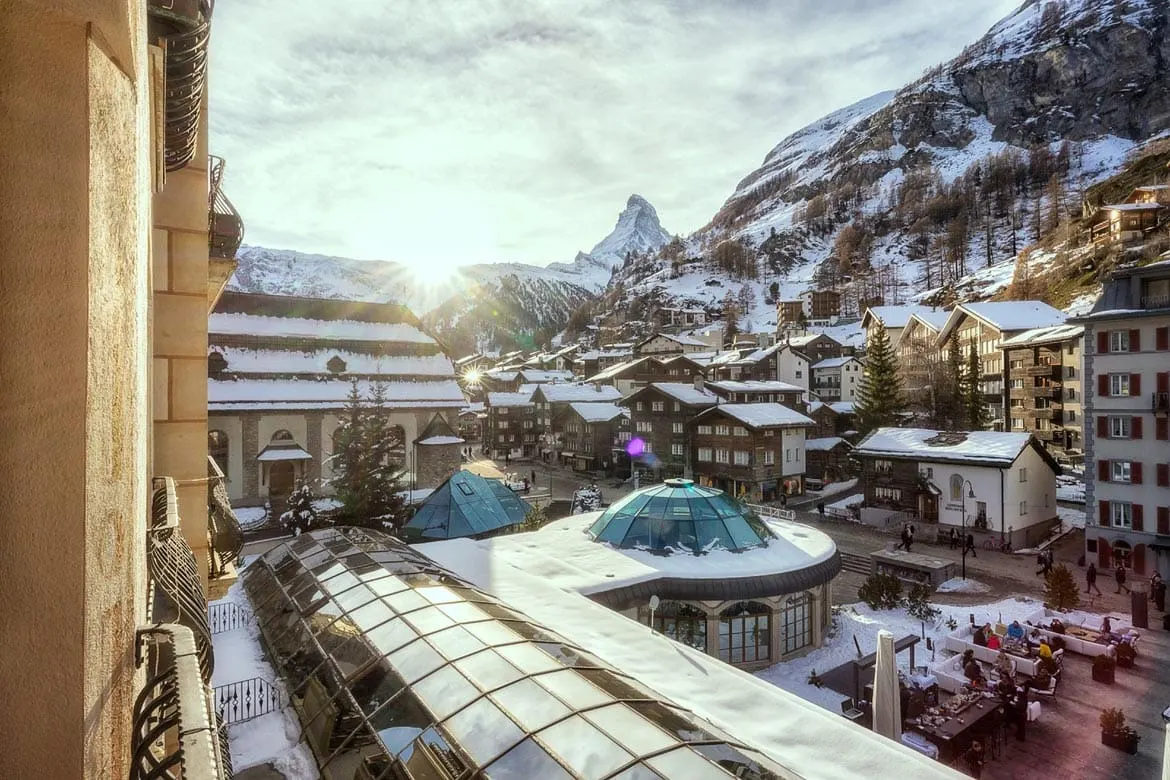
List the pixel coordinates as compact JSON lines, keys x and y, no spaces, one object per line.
{"x":269,"y":454}
{"x":933,"y":488}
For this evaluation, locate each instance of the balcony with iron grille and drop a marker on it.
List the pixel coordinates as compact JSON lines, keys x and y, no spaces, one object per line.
{"x":225,"y":232}
{"x":182,"y":28}
{"x":223,"y":529}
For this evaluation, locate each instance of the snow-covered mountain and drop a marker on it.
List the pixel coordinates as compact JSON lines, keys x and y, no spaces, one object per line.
{"x":925,"y":187}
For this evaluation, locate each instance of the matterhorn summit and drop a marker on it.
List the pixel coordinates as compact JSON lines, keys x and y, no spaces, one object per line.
{"x":637,"y":230}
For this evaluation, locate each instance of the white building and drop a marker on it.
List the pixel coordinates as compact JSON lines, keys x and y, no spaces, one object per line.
{"x":1005,"y":483}
{"x":837,"y":379}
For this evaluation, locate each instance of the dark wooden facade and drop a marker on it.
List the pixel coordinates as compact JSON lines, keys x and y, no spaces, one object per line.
{"x":756,"y":480}
{"x":669,"y":434}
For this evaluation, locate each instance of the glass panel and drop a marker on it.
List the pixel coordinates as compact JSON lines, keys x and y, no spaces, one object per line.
{"x":428,"y":620}
{"x":530,"y":705}
{"x":439,"y":594}
{"x":638,"y":772}
{"x":420,"y":767}
{"x":528,"y":658}
{"x":329,"y":569}
{"x":672,"y":721}
{"x":492,"y":633}
{"x":462,"y":612}
{"x":349,"y":751}
{"x":373,"y":614}
{"x":455,"y":643}
{"x":354,"y":598}
{"x":387,"y":585}
{"x":352,"y":655}
{"x":416,"y":660}
{"x":391,"y":635}
{"x":376,"y":686}
{"x":531,"y":631}
{"x":734,"y":762}
{"x":615,"y":686}
{"x":400,"y":721}
{"x":585,"y":749}
{"x":488,"y":670}
{"x":568,"y":655}
{"x":630,"y":729}
{"x":572,"y":689}
{"x":526,"y":761}
{"x":684,"y":763}
{"x":483,"y":731}
{"x":341,"y":582}
{"x":406,"y":601}
{"x":444,"y":691}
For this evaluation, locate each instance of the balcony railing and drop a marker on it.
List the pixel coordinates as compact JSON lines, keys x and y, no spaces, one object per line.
{"x":1156,"y":301}
{"x":176,"y":733}
{"x":1045,"y":369}
{"x":183,"y":28}
{"x":1044,"y":391}
{"x":226,"y":537}
{"x":1161,"y":403}
{"x":176,"y":586}
{"x":225,"y":227}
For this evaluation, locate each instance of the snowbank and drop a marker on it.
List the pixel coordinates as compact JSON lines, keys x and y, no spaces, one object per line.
{"x":960,"y":585}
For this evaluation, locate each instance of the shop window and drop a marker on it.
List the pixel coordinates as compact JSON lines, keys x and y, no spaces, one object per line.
{"x":797,"y":625}
{"x":745,"y":633}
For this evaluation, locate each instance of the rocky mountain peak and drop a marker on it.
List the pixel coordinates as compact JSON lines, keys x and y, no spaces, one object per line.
{"x":637,"y":230}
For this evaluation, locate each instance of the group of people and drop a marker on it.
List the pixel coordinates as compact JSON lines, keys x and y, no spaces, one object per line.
{"x":985,"y":637}
{"x":1045,"y":559}
{"x":907,"y":537}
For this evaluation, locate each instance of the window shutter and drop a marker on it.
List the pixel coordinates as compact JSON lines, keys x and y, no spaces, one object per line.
{"x":1135,"y":472}
{"x":1163,"y":382}
{"x":1135,"y":384}
{"x":1135,"y":340}
{"x":1102,"y":384}
{"x":1164,"y":519}
{"x":1163,"y":472}
{"x":1139,"y":559}
{"x":1137,"y":517}
{"x":1102,"y":471}
{"x":1135,"y":428}
{"x":1162,"y":339}
{"x":1161,"y":429}
{"x":1102,"y":342}
{"x":1102,"y":427}
{"x":1103,"y":513}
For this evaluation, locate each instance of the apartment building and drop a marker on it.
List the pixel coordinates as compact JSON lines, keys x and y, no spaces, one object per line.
{"x":986,"y":325}
{"x":118,"y":239}
{"x":591,"y":435}
{"x":815,"y":346}
{"x":1042,"y":388}
{"x":510,"y":424}
{"x":790,"y":314}
{"x":893,"y":318}
{"x":750,"y":391}
{"x":779,"y":362}
{"x":755,"y":451}
{"x":670,"y":344}
{"x":837,"y":379}
{"x":659,"y":413}
{"x":821,"y":304}
{"x":552,"y":409}
{"x":920,"y":360}
{"x":1127,"y":421}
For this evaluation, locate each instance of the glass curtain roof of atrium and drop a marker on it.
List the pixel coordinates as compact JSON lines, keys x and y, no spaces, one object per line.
{"x":466,"y":505}
{"x":401,"y":670}
{"x":680,"y":514}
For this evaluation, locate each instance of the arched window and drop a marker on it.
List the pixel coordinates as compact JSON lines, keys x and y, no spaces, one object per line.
{"x":1122,"y":554}
{"x":745,"y":633}
{"x":797,"y":624}
{"x":282,"y":437}
{"x":956,"y":487}
{"x":680,"y":621}
{"x":336,"y":365}
{"x":217,"y":448}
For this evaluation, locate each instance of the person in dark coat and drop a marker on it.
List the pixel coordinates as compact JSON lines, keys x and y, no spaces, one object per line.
{"x":954,"y":538}
{"x":975,"y":758}
{"x":970,"y":546}
{"x":534,"y":476}
{"x":1091,"y":579}
{"x":1120,"y":577}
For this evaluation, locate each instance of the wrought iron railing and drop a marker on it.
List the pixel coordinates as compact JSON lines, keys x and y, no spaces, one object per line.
{"x":176,"y":585}
{"x":222,"y":525}
{"x":240,"y":701}
{"x":226,"y":616}
{"x":183,"y":28}
{"x":225,"y":226}
{"x":176,"y":732}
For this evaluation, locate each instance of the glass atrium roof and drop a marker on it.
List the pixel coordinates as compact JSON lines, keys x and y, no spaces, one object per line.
{"x":466,"y":505}
{"x":398,"y":669}
{"x":680,"y":514}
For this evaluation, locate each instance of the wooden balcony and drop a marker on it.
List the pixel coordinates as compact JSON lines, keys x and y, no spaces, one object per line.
{"x":1043,"y":414}
{"x":1045,"y":391}
{"x":1043,"y":370}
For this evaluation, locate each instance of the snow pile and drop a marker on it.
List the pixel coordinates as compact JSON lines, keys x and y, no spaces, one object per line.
{"x":977,"y":446}
{"x":1071,"y":487}
{"x":960,"y":585}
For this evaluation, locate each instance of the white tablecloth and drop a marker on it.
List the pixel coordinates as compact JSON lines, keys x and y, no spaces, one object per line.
{"x":923,"y":681}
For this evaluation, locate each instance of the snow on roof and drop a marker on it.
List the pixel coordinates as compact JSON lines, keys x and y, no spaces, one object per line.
{"x":501,"y":375}
{"x":833,"y":362}
{"x":678,"y":339}
{"x":1044,"y":335}
{"x":1152,"y":188}
{"x":616,"y":369}
{"x":1006,"y":316}
{"x":597,"y":412}
{"x":299,"y":361}
{"x":468,"y":359}
{"x":934,"y":319}
{"x":686,"y":393}
{"x":988,"y":447}
{"x":762,"y":415}
{"x":755,"y":386}
{"x":257,"y":393}
{"x":442,"y":440}
{"x":272,"y":454}
{"x":824,"y":444}
{"x":528,"y":375}
{"x":586,"y":392}
{"x":506,"y":400}
{"x":1133,"y":207}
{"x":844,"y":407}
{"x":757,"y":355}
{"x":806,"y":339}
{"x":893,"y":316}
{"x":814,"y":406}
{"x":237,"y":324}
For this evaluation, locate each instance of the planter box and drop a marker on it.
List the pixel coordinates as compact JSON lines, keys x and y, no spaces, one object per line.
{"x":1103,"y":675}
{"x":1126,"y":742}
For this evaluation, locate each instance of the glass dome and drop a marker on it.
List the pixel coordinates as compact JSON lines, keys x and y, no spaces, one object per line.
{"x":680,"y":514}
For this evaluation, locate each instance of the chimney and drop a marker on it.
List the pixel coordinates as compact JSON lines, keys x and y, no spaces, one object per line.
{"x":698,"y":378}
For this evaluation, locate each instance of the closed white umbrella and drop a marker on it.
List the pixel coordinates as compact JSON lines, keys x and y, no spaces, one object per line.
{"x":887,"y":698}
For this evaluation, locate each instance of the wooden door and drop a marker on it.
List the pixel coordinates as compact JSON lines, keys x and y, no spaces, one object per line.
{"x":281,"y":477}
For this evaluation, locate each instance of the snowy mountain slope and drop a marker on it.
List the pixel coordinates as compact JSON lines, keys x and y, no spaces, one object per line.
{"x":637,"y":232}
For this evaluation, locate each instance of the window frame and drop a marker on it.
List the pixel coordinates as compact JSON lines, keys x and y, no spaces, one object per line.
{"x":1121,"y":514}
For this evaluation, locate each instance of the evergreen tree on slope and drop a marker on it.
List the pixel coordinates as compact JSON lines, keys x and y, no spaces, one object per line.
{"x":879,"y":399}
{"x":976,"y":410}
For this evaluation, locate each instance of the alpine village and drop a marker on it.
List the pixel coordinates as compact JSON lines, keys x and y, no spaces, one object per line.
{"x":867,"y":474}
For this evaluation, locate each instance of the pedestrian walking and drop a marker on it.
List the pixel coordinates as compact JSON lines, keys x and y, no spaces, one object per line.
{"x":1045,"y":561}
{"x":783,"y":499}
{"x":1091,"y":579}
{"x":954,"y":538}
{"x":905,"y":537}
{"x":1119,"y":575}
{"x":969,"y":547}
{"x":534,"y":476}
{"x":507,"y":458}
{"x":821,"y":508}
{"x":910,"y":537}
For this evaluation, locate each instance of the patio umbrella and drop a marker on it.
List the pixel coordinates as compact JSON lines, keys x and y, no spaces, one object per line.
{"x":887,"y":698}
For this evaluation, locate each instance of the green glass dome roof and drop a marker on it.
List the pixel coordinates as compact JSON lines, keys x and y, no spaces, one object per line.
{"x":678,"y":514}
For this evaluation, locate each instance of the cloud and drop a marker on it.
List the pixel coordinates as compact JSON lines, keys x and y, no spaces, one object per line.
{"x":444,"y":132}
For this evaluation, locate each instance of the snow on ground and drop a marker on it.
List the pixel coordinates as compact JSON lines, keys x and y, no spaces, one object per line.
{"x":1083,"y":303}
{"x":831,"y":489}
{"x":1071,"y":487}
{"x":844,"y":503}
{"x":251,"y":516}
{"x":1070,"y":517}
{"x":960,"y":585}
{"x":272,"y":738}
{"x":860,"y":622}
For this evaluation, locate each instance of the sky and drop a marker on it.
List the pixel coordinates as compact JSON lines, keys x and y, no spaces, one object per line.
{"x":439,"y":133}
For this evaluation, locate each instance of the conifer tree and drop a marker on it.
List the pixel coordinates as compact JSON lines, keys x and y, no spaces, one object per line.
{"x":1061,"y":591}
{"x":386,"y":507}
{"x":350,"y":461}
{"x":976,"y":410}
{"x":879,"y":399}
{"x":301,"y":516}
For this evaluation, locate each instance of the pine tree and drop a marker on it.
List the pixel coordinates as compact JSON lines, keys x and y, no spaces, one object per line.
{"x":879,"y":399}
{"x":973,"y":406}
{"x":301,"y":516}
{"x":953,"y":401}
{"x":386,"y":507}
{"x":1061,"y":591}
{"x":351,"y":460}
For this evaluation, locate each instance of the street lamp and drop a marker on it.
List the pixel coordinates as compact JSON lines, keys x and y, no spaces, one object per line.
{"x":970,"y":490}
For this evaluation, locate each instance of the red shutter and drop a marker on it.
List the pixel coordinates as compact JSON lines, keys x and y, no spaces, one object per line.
{"x":1102,"y":427}
{"x":1135,"y":384}
{"x":1103,"y":561}
{"x":1137,"y":517}
{"x":1102,"y":513}
{"x":1102,"y":384}
{"x":1161,"y":428}
{"x":1163,"y":382}
{"x":1164,"y":519}
{"x":1162,"y":339}
{"x":1135,"y":340}
{"x":1135,"y":472}
{"x":1163,"y":472}
{"x":1102,"y":342}
{"x":1139,"y":559}
{"x":1135,"y":428}
{"x":1102,"y":471}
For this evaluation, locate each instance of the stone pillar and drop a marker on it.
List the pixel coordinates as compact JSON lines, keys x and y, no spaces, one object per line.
{"x":313,"y":424}
{"x":251,"y":446}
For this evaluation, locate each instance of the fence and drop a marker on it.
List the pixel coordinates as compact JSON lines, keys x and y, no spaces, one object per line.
{"x":763,"y":510}
{"x":225,"y":616}
{"x":240,"y":701}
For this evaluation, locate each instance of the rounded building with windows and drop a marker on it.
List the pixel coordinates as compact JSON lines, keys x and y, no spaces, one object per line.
{"x":747,"y":590}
